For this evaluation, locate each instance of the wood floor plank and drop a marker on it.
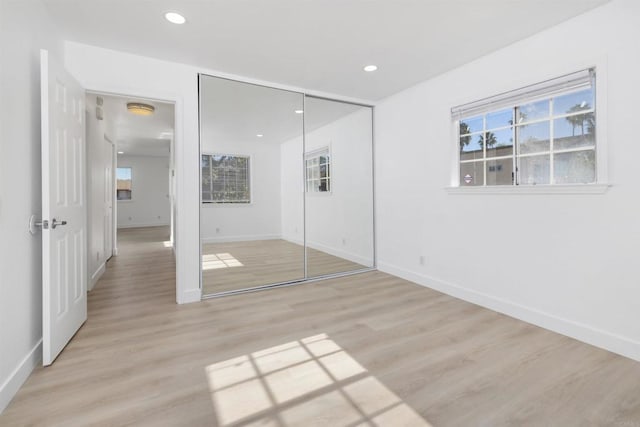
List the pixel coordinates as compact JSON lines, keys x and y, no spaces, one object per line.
{"x":369,"y":349}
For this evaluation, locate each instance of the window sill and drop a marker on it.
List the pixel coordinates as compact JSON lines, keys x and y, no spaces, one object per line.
{"x":531,"y":189}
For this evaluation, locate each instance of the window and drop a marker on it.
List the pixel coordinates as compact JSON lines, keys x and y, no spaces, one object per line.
{"x":317,"y":167}
{"x":225,"y":179}
{"x":542,"y":134}
{"x":123,"y":188}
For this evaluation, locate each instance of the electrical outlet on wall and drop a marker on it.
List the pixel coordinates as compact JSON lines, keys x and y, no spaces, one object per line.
{"x":422,"y":260}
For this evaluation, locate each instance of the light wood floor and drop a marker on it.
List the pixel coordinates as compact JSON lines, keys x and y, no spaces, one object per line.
{"x":369,"y":349}
{"x":232,"y":266}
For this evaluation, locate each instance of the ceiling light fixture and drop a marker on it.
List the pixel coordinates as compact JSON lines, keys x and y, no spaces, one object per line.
{"x":299,"y":111}
{"x":259,"y":135}
{"x":140,"y":109}
{"x":120,"y":152}
{"x":175,"y":18}
{"x":370,"y":68}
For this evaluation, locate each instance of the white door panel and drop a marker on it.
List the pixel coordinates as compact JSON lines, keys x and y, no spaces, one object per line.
{"x":64,"y":269}
{"x":108,"y":199}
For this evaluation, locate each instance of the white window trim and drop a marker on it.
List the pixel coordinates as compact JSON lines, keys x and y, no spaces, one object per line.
{"x":602,"y":183}
{"x":211,"y":204}
{"x":316,"y":152}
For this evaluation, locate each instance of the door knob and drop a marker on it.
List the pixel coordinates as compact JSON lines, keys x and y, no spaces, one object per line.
{"x":55,"y":223}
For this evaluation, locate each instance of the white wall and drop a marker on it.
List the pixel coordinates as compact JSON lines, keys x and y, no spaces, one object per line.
{"x":339,"y":222}
{"x":99,"y":171}
{"x":24,"y":29}
{"x":292,"y":190}
{"x":565,"y":262}
{"x":255,"y":221}
{"x":150,"y":204}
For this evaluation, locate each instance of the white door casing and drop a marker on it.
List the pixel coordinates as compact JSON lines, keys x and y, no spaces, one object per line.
{"x":64,"y":208}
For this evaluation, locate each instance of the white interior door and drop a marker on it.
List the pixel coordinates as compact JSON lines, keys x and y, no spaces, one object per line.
{"x":64,"y":210}
{"x":108,"y":198}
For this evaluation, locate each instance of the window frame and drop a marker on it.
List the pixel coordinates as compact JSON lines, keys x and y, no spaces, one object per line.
{"x":131,"y":191}
{"x":598,"y":186}
{"x":204,"y":202}
{"x":313,"y":154}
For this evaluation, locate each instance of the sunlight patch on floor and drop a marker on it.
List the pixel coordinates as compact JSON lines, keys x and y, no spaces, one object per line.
{"x":312,"y":381}
{"x":216,"y":261}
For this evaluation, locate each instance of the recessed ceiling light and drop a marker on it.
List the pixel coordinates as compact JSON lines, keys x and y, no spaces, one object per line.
{"x":259,"y":135}
{"x":370,"y":68}
{"x":175,"y":18}
{"x":120,"y":152}
{"x":299,"y":111}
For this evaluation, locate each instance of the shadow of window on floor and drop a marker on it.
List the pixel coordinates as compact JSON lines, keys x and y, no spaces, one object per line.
{"x":309,"y":382}
{"x":216,"y":261}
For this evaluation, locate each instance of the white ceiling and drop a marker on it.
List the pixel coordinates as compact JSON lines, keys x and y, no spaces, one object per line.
{"x":320,"y":45}
{"x":138,"y":135}
{"x":238,"y":112}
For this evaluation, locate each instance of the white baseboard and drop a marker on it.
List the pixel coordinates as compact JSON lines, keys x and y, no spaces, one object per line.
{"x":187,"y":297}
{"x":350,"y":256}
{"x":144,"y":224}
{"x":244,"y":238}
{"x":19,"y":375}
{"x":296,"y":241}
{"x":97,"y":275}
{"x":585,"y":333}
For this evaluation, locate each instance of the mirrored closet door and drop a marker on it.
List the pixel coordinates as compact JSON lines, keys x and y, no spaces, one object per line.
{"x":286,"y":187}
{"x":339,"y":187}
{"x":242,"y":129}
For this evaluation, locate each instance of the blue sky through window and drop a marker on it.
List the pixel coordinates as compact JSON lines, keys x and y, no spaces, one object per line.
{"x":123,"y":173}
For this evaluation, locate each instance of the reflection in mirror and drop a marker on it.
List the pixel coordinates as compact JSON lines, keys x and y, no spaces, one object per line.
{"x":338,"y":175}
{"x":247,"y":183}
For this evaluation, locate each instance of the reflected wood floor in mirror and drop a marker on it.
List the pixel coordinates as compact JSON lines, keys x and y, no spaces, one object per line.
{"x":369,"y":349}
{"x":232,"y":266}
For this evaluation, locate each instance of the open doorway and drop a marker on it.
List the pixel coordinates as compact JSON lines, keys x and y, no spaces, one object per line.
{"x":130,"y":174}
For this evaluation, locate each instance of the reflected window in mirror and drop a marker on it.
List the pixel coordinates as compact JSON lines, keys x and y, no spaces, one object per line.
{"x":225,"y":178}
{"x":318,"y":171}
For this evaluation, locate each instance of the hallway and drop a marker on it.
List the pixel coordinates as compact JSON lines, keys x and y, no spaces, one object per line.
{"x":112,"y":369}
